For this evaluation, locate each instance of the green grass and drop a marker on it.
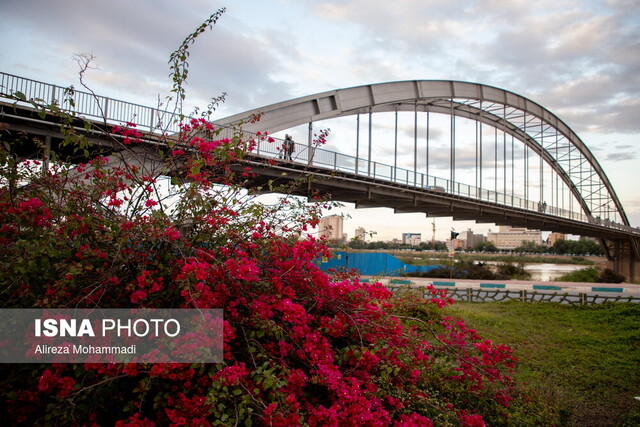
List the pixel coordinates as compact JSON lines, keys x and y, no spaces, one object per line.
{"x":582,"y":362}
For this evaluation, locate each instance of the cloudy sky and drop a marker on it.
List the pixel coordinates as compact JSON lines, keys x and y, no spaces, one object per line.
{"x":578,"y":58}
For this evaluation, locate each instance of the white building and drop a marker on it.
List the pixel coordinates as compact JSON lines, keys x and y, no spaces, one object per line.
{"x":412,"y":239}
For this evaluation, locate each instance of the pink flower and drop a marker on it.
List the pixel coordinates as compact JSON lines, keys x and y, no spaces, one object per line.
{"x":138,"y":296}
{"x":172,"y":233}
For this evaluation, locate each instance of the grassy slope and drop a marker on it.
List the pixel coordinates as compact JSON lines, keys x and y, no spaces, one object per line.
{"x":584,"y":361}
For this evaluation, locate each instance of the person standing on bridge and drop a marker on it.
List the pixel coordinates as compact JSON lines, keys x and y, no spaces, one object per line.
{"x":288,"y":147}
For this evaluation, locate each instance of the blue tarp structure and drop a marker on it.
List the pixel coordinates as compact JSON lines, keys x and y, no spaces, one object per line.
{"x":371,"y":264}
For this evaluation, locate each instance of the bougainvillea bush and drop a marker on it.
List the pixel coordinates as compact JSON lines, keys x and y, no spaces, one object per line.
{"x":300,"y":346}
{"x":171,"y":225}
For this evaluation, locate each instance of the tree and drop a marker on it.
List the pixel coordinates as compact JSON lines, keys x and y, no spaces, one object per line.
{"x":531,"y":247}
{"x":300,"y":347}
{"x":580,"y":247}
{"x":484,"y":247}
{"x":357,"y":243}
{"x":433,"y":246}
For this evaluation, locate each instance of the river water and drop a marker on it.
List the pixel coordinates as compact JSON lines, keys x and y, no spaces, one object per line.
{"x":548,"y":272}
{"x":543,"y":272}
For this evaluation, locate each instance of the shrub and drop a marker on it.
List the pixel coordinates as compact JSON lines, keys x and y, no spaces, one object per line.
{"x":300,"y":347}
{"x":587,"y":275}
{"x":610,"y":276}
{"x":513,"y":271}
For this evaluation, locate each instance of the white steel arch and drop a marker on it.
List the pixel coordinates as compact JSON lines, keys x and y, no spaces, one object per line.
{"x":529,"y":122}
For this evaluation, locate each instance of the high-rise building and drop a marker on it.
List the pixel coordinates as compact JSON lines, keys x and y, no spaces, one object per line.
{"x":554,"y":237}
{"x":331,"y":228}
{"x":361,"y":234}
{"x":470,"y":239}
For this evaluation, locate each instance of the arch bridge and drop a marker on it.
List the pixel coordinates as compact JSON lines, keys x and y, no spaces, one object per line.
{"x":529,"y":168}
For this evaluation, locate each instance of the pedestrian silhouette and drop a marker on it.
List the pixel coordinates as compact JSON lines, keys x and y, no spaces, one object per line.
{"x":288,"y":147}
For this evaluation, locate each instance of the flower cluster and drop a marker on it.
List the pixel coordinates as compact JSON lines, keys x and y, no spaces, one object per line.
{"x":129,"y":132}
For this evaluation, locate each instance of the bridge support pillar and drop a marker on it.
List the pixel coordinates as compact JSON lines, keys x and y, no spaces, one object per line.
{"x":625,"y":260}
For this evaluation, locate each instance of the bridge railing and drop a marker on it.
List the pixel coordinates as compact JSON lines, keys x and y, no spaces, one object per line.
{"x":155,"y":120}
{"x":340,"y":162}
{"x":333,"y":160}
{"x":86,"y":104}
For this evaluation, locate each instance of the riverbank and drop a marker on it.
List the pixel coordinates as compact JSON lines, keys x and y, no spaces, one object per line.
{"x":427,"y":258}
{"x":480,"y":266}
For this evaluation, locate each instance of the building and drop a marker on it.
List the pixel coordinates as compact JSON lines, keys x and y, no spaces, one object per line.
{"x":469,"y":239}
{"x":361,"y":234}
{"x":331,"y":227}
{"x":458,"y":244}
{"x":508,"y":238}
{"x":412,"y":239}
{"x":554,"y":237}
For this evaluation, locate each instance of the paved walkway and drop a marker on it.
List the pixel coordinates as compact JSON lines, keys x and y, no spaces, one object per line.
{"x":603,"y":288}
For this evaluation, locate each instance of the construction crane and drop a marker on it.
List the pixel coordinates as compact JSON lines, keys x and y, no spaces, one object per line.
{"x":433,"y":234}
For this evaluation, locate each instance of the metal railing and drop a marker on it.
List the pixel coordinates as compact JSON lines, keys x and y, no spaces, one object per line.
{"x":155,"y":120}
{"x":335,"y":161}
{"x":92,"y":106}
{"x":498,"y":295}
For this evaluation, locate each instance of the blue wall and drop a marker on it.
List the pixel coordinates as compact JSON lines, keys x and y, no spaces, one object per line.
{"x":372,"y":264}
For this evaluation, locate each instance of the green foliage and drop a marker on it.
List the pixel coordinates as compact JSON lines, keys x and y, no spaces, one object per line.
{"x":580,"y":247}
{"x":377,"y":245}
{"x":610,"y":276}
{"x":531,"y":247}
{"x":588,"y":275}
{"x":513,"y":271}
{"x":178,"y":60}
{"x":461,"y":269}
{"x":429,"y":258}
{"x":484,"y":247}
{"x":468,"y":269}
{"x":432,"y":246}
